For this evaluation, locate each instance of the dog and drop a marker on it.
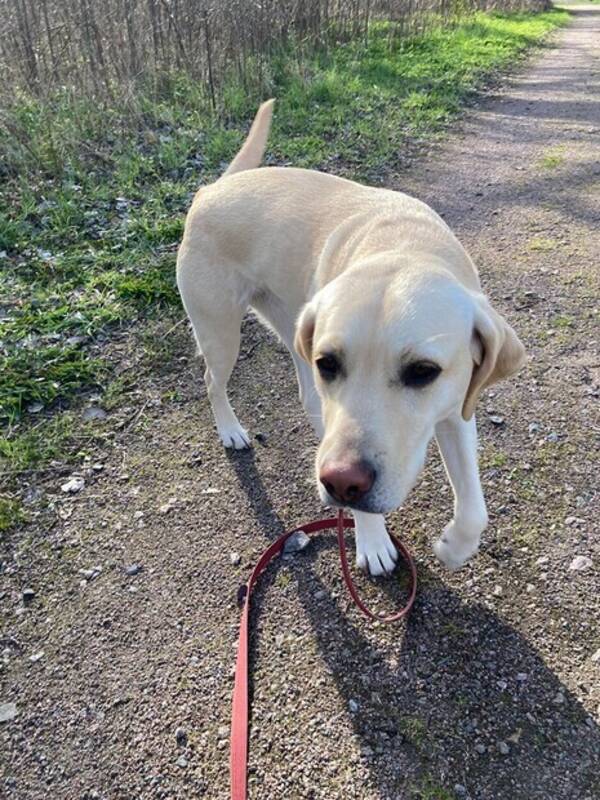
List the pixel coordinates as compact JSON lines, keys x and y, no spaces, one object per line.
{"x":382,"y":311}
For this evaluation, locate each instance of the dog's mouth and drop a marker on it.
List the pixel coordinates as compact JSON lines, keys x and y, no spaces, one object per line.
{"x":367,"y":504}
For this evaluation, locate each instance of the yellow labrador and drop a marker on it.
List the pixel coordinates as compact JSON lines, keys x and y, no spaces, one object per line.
{"x":382,"y":311}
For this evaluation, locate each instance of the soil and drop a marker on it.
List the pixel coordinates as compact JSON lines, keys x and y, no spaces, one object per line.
{"x":122,"y":675}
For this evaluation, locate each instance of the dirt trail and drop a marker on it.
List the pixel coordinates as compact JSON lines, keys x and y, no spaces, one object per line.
{"x":491,"y":691}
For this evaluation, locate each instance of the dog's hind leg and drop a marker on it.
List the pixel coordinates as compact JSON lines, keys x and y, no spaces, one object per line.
{"x":216,"y":315}
{"x":457,"y":441}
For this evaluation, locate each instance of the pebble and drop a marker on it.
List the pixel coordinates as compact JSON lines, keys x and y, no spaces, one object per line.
{"x":223,"y":731}
{"x":353,"y":706}
{"x":73,"y":485}
{"x":596,"y":656}
{"x":574,"y":521}
{"x":8,"y":711}
{"x":90,"y":574}
{"x":533,"y":427}
{"x":181,"y":737}
{"x":35,"y":657}
{"x":497,"y":591}
{"x":28,"y":595}
{"x":480,"y":748}
{"x":133,"y":569}
{"x":559,"y":699}
{"x":182,"y":761}
{"x":580,"y":563}
{"x":552,"y":437}
{"x":542,"y":560}
{"x":94,"y":412}
{"x":164,"y":509}
{"x":459,"y":790}
{"x":496,"y":419}
{"x":297,"y":542}
{"x":522,"y":677}
{"x":235,"y":559}
{"x":35,"y":408}
{"x":503,"y":748}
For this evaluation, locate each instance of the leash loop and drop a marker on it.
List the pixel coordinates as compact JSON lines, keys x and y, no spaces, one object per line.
{"x":238,"y":758}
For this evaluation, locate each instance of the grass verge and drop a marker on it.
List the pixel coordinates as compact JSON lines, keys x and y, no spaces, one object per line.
{"x":93,"y":199}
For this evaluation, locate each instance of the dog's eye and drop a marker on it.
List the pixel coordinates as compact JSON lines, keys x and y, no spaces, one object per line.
{"x":420,"y":373}
{"x":328,"y":366}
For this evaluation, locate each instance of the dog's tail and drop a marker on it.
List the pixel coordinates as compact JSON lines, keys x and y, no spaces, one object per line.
{"x":253,"y":148}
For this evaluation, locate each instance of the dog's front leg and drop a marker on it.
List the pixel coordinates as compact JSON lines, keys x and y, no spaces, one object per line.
{"x":374,"y":548}
{"x":457,"y":441}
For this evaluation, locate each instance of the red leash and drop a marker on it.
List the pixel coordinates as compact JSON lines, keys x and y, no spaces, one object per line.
{"x":239,"y":712}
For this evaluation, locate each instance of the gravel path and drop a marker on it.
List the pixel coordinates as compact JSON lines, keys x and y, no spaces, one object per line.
{"x":122,"y":677}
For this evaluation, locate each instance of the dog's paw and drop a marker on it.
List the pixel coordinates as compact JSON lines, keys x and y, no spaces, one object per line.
{"x":234,"y":436}
{"x":376,"y":553}
{"x":454,"y":549}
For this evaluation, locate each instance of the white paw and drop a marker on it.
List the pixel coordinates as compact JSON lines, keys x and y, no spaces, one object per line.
{"x":376,"y":553}
{"x":454,"y":548}
{"x":234,"y":436}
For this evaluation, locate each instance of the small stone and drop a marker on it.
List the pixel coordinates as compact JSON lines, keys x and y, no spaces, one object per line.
{"x":480,"y":748}
{"x":182,"y":762}
{"x":596,"y":656}
{"x":542,"y":560}
{"x":459,"y":790}
{"x":235,"y":559}
{"x":223,"y":731}
{"x":580,"y":563}
{"x":28,"y":595}
{"x":320,"y":595}
{"x":503,"y":748}
{"x":558,"y":699}
{"x":297,"y":542}
{"x":353,"y":706}
{"x":73,"y":485}
{"x":8,"y":711}
{"x":98,"y":467}
{"x":210,"y":490}
{"x":279,"y":640}
{"x":36,"y":657}
{"x":90,"y":574}
{"x":164,"y":509}
{"x":133,"y":569}
{"x":94,"y":413}
{"x":222,"y":744}
{"x":497,"y":591}
{"x":181,"y":737}
{"x":522,"y":677}
{"x":35,"y":408}
{"x":552,"y":437}
{"x":261,"y":438}
{"x":533,"y":428}
{"x":496,"y":419}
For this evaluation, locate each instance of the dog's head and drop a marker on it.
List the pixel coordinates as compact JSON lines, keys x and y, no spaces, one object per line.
{"x":391,"y":359}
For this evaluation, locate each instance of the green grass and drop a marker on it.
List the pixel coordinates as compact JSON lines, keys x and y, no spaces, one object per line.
{"x":552,"y":158}
{"x":92,"y":200}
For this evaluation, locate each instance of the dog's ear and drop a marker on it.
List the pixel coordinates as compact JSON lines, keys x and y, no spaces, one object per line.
{"x":305,"y":329}
{"x":496,"y":350}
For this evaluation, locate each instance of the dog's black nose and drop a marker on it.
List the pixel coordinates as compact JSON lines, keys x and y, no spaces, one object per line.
{"x":347,"y":482}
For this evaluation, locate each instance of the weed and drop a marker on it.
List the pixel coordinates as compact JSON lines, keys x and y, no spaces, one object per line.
{"x":552,"y":158}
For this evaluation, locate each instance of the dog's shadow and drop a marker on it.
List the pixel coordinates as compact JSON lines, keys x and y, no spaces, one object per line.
{"x":467,"y":707}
